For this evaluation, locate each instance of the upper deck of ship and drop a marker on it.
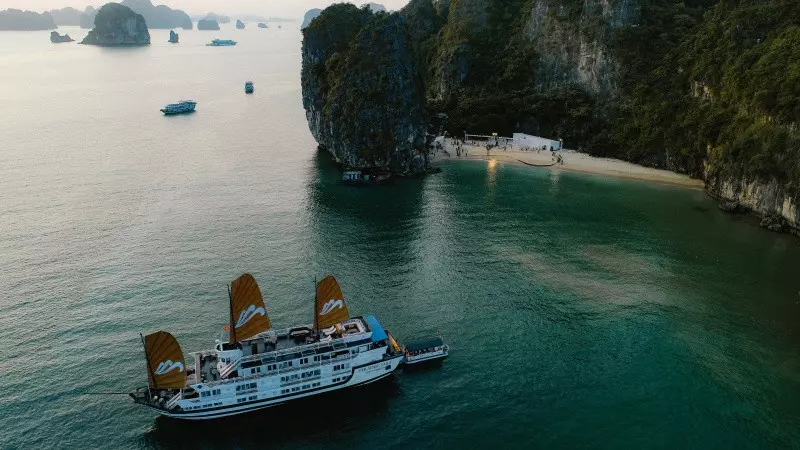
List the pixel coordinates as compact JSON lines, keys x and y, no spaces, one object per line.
{"x":276,"y":346}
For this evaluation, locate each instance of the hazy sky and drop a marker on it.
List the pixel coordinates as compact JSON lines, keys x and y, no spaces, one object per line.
{"x":279,"y":8}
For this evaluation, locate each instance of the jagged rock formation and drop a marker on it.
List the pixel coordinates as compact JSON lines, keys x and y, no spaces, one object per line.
{"x":18,"y":20}
{"x":159,"y":17}
{"x":240,"y":25}
{"x":173,"y":37}
{"x":363,"y":99}
{"x":117,"y":25}
{"x":87,"y":18}
{"x":262,"y":25}
{"x":311,"y":14}
{"x":207,"y":24}
{"x":66,"y":17}
{"x":57,"y":38}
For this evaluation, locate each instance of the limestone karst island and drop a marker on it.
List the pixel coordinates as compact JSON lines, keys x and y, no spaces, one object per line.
{"x":691,"y":87}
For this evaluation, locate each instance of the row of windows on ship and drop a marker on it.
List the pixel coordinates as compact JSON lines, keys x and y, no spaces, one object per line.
{"x":255,"y":366}
{"x":255,"y":397}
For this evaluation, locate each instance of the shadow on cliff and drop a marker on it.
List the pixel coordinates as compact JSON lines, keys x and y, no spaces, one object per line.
{"x":313,"y":422}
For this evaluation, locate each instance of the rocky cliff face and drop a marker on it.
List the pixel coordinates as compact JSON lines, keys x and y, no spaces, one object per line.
{"x":207,"y":24}
{"x":768,"y":199}
{"x":363,"y":100}
{"x":117,"y":25}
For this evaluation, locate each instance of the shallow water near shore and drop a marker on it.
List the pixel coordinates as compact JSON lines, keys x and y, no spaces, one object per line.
{"x":582,"y":311}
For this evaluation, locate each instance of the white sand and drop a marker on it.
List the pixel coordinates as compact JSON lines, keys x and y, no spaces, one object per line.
{"x":575,"y":162}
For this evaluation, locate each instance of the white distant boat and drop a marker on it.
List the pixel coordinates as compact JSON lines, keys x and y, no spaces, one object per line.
{"x":221,"y":43}
{"x":259,"y":367}
{"x":182,"y":107}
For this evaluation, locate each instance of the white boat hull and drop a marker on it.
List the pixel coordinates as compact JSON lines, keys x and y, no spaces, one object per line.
{"x":360,"y":376}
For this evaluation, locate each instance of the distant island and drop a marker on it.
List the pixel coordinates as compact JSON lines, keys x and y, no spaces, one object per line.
{"x":18,"y":20}
{"x":173,"y":37}
{"x":57,"y":38}
{"x":117,"y":25}
{"x":70,"y":17}
{"x":159,"y":17}
{"x":262,"y":25}
{"x":87,"y":18}
{"x":219,"y":18}
{"x":240,"y":25}
{"x":311,"y":14}
{"x":375,"y":7}
{"x":207,"y":24}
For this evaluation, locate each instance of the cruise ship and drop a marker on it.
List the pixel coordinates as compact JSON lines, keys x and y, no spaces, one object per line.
{"x":259,"y":367}
{"x":182,"y":107}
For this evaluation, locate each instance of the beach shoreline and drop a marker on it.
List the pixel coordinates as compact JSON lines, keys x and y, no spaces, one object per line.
{"x":572,"y":162}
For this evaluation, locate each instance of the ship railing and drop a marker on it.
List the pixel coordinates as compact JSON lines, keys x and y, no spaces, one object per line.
{"x":257,"y":376}
{"x":336,"y":344}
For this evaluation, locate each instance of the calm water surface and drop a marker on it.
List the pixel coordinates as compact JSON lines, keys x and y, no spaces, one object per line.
{"x":582,"y":311}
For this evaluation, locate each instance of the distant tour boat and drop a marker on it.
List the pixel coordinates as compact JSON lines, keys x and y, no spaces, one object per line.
{"x":182,"y":107}
{"x":248,"y":87}
{"x":221,"y":43}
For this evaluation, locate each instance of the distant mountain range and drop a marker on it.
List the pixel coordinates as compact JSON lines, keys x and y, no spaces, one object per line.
{"x":18,"y":20}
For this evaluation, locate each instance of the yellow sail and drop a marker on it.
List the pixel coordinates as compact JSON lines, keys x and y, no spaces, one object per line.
{"x":330,"y":305}
{"x":165,"y":363}
{"x":248,"y":312}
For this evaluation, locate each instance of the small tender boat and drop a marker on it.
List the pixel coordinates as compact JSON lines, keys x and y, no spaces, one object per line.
{"x":221,"y":43}
{"x":426,"y":351}
{"x":356,"y":177}
{"x":258,"y":367}
{"x":248,"y":87}
{"x":182,"y":107}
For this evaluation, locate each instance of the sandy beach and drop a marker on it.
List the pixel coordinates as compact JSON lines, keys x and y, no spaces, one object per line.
{"x":572,"y":161}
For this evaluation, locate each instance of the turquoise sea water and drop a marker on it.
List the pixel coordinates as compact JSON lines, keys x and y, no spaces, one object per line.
{"x":582,"y":311}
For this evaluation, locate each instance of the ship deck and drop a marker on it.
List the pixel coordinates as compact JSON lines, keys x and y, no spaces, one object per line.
{"x":277,"y":346}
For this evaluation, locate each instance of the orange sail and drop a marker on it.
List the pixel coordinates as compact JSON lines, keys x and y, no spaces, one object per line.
{"x":330,"y":305}
{"x":165,"y":363}
{"x":248,"y":312}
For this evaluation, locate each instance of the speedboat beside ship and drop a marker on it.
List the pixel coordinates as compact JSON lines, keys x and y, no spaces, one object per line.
{"x":182,"y":107}
{"x":221,"y":43}
{"x":259,"y":367}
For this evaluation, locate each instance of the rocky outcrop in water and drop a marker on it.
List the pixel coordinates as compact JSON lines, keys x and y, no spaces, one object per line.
{"x":18,"y":20}
{"x":117,"y":25}
{"x":262,"y":25}
{"x":173,"y":37}
{"x":311,"y":14}
{"x":57,"y":38}
{"x":363,"y":100}
{"x":207,"y":24}
{"x":240,"y":25}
